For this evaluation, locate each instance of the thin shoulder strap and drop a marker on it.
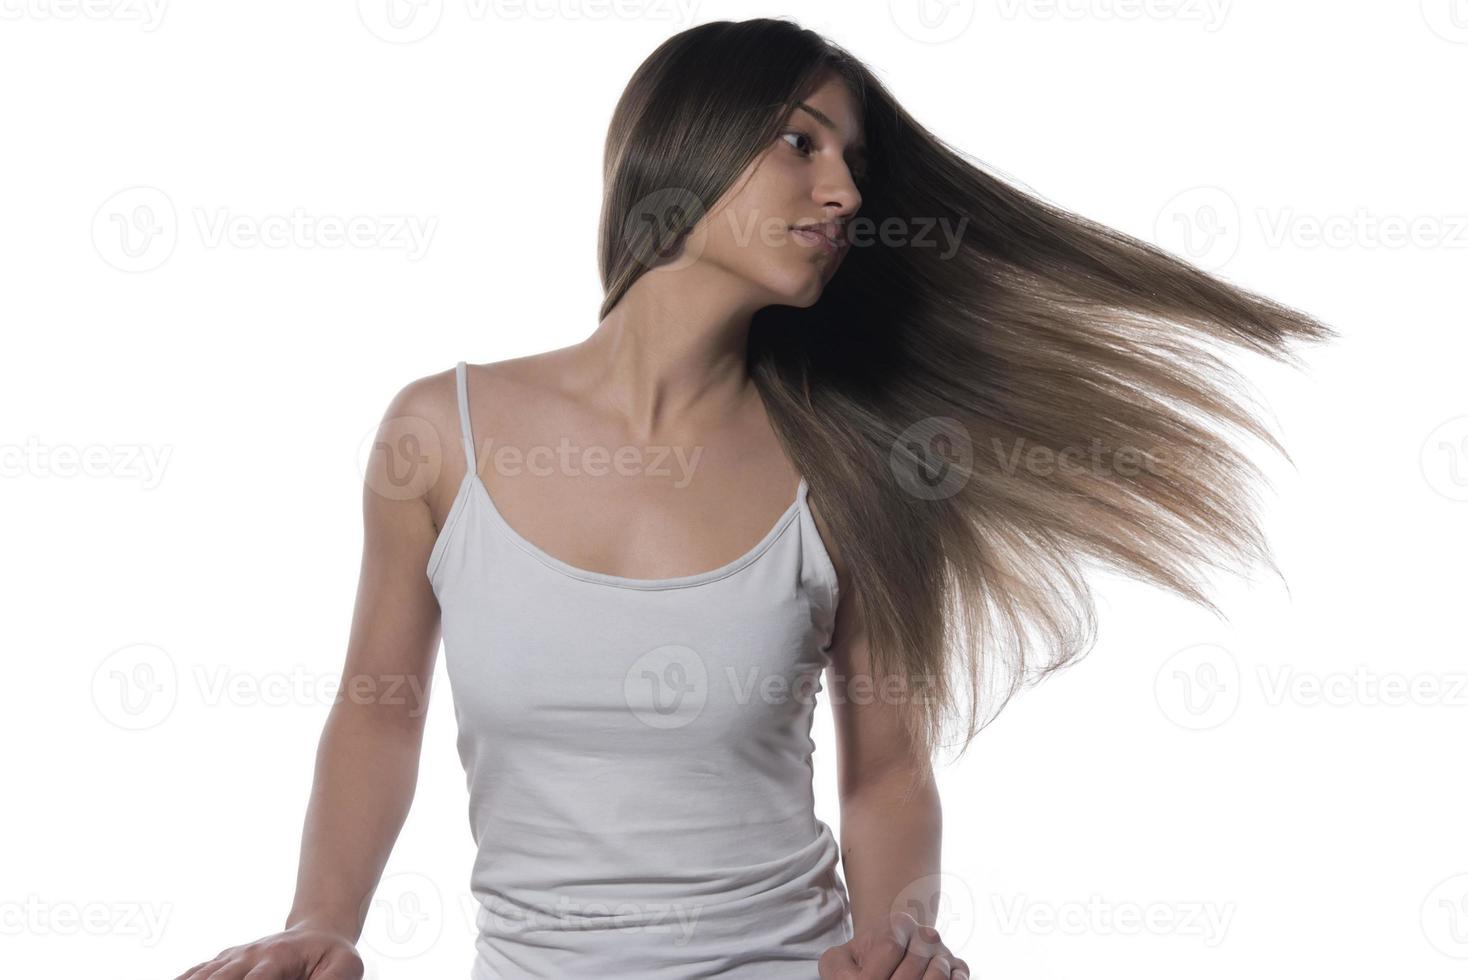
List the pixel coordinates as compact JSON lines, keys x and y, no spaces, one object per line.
{"x":465,"y":428}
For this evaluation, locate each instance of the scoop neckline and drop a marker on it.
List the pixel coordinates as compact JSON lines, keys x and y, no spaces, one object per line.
{"x":629,"y":582}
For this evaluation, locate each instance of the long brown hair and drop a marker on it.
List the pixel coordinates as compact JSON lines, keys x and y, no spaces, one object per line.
{"x":933,"y":396}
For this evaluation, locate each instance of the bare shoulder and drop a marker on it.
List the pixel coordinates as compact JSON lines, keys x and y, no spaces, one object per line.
{"x":432,"y":401}
{"x":425,"y":409}
{"x":415,"y":447}
{"x":523,"y":398}
{"x":530,"y":373}
{"x":427,"y":397}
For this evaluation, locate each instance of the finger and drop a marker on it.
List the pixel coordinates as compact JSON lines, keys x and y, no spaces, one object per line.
{"x":886,"y":955}
{"x":960,"y":969}
{"x":339,"y":964}
{"x":927,"y":956}
{"x":210,"y":969}
{"x":927,"y":941}
{"x":274,"y":960}
{"x":199,"y":970}
{"x":275,"y":967}
{"x":940,"y":967}
{"x":232,"y":970}
{"x":838,"y":963}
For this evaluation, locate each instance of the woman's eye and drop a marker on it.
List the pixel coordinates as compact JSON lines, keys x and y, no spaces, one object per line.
{"x":796,"y":134}
{"x":859,"y":174}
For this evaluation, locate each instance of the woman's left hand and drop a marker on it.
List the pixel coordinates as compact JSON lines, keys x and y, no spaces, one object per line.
{"x":902,"y":949}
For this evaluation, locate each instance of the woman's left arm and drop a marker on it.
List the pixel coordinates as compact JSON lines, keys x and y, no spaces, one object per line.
{"x":891,"y":832}
{"x":891,"y":814}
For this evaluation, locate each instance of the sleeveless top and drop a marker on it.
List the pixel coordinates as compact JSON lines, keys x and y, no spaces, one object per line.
{"x":638,"y":753}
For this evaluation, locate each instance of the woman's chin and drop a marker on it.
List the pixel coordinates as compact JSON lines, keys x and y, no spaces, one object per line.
{"x":801,"y":290}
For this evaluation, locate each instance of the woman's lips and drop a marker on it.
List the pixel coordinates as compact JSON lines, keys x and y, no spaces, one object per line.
{"x":811,"y":237}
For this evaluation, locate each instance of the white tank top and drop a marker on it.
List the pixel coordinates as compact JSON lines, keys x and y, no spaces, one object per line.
{"x":638,"y":753}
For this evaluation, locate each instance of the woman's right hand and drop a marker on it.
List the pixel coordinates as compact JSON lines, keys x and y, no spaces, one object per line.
{"x":902,"y":948}
{"x":299,"y":953}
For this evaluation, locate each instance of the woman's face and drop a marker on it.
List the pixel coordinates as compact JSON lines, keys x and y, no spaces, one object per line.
{"x":807,"y":176}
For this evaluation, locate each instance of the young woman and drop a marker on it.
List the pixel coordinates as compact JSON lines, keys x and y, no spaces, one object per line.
{"x":854,"y":408}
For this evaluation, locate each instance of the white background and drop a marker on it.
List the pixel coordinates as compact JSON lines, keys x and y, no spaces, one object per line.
{"x":1305,"y":820}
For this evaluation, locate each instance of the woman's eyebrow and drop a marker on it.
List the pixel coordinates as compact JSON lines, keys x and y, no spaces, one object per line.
{"x":857,"y":147}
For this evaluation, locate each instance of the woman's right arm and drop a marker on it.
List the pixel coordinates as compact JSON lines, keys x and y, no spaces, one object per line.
{"x":367,"y":759}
